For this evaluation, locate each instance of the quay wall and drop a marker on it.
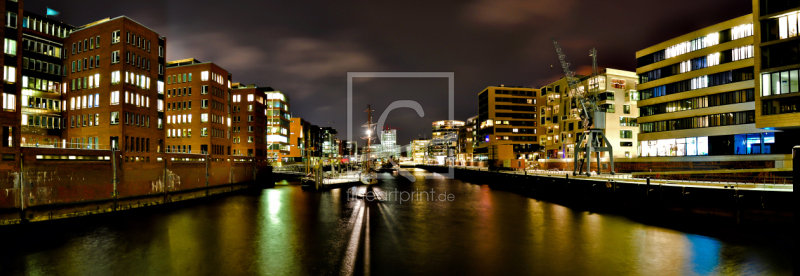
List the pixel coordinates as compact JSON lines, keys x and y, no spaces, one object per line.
{"x":740,"y":205}
{"x":62,"y":182}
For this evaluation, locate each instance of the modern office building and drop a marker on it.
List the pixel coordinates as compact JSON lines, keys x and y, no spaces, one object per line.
{"x":197,"y":108}
{"x":697,"y":94}
{"x":43,"y":53}
{"x":388,"y":144}
{"x":466,"y":140}
{"x":419,"y":151}
{"x":777,"y":64}
{"x":444,"y":133}
{"x":508,"y":116}
{"x":114,"y":75}
{"x":278,"y":117}
{"x":616,"y":94}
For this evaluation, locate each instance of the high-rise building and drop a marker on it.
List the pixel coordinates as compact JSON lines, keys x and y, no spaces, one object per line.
{"x":508,"y":116}
{"x":115,"y":72}
{"x":197,"y":108}
{"x":388,"y":144}
{"x":616,"y":94}
{"x":698,"y":97}
{"x":777,"y":64}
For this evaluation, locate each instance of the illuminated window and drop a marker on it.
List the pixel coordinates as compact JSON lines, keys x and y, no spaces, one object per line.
{"x":9,"y":74}
{"x":204,"y":76}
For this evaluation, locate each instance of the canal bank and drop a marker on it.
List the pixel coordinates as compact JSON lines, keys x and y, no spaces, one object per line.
{"x":50,"y":183}
{"x":741,"y":205}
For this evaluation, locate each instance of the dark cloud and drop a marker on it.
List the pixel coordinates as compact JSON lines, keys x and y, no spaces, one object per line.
{"x":305,"y":48}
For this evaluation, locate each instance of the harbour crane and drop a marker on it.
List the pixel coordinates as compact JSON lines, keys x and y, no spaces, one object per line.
{"x":593,"y":117}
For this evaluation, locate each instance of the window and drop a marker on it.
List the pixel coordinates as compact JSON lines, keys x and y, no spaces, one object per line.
{"x":115,"y":117}
{"x":625,"y":134}
{"x":626,"y":109}
{"x":11,"y":20}
{"x":203,"y":103}
{"x":9,"y":102}
{"x":626,"y":144}
{"x":115,"y":57}
{"x":160,"y":51}
{"x":115,"y":77}
{"x":204,"y":76}
{"x":204,"y":118}
{"x":9,"y":74}
{"x":97,"y":61}
{"x":204,"y":89}
{"x":10,"y":47}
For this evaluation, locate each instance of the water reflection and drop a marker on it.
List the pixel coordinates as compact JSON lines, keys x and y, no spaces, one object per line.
{"x":286,"y":230}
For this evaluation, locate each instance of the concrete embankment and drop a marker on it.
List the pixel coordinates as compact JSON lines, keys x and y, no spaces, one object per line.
{"x":742,"y":205}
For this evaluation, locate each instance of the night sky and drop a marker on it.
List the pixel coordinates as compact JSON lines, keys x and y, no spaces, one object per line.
{"x":306,"y":48}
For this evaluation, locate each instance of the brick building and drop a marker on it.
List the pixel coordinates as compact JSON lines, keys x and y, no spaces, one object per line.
{"x":197,"y":108}
{"x":115,"y":74}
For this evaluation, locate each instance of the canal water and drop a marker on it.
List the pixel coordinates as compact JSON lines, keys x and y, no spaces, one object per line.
{"x":471,"y":230}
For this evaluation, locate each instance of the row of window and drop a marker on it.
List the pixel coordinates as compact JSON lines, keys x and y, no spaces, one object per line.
{"x":85,"y":64}
{"x":41,"y":66}
{"x":515,"y":100}
{"x":517,"y":130}
{"x":42,"y":26}
{"x":737,"y":75}
{"x":40,"y":85}
{"x":726,"y":56}
{"x":179,"y":119}
{"x":178,"y":132}
{"x":84,"y":143}
{"x":178,"y":92}
{"x":179,"y":148}
{"x":777,"y":83}
{"x":85,"y":101}
{"x":726,"y":98}
{"x":41,"y":121}
{"x":179,"y":78}
{"x":515,"y":92}
{"x":516,"y":115}
{"x":180,"y":105}
{"x":250,"y":139}
{"x":733,"y":118}
{"x":516,"y":107}
{"x":137,"y":144}
{"x":86,"y":45}
{"x":780,"y":106}
{"x":41,"y":103}
{"x":741,"y":31}
{"x":86,"y":120}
